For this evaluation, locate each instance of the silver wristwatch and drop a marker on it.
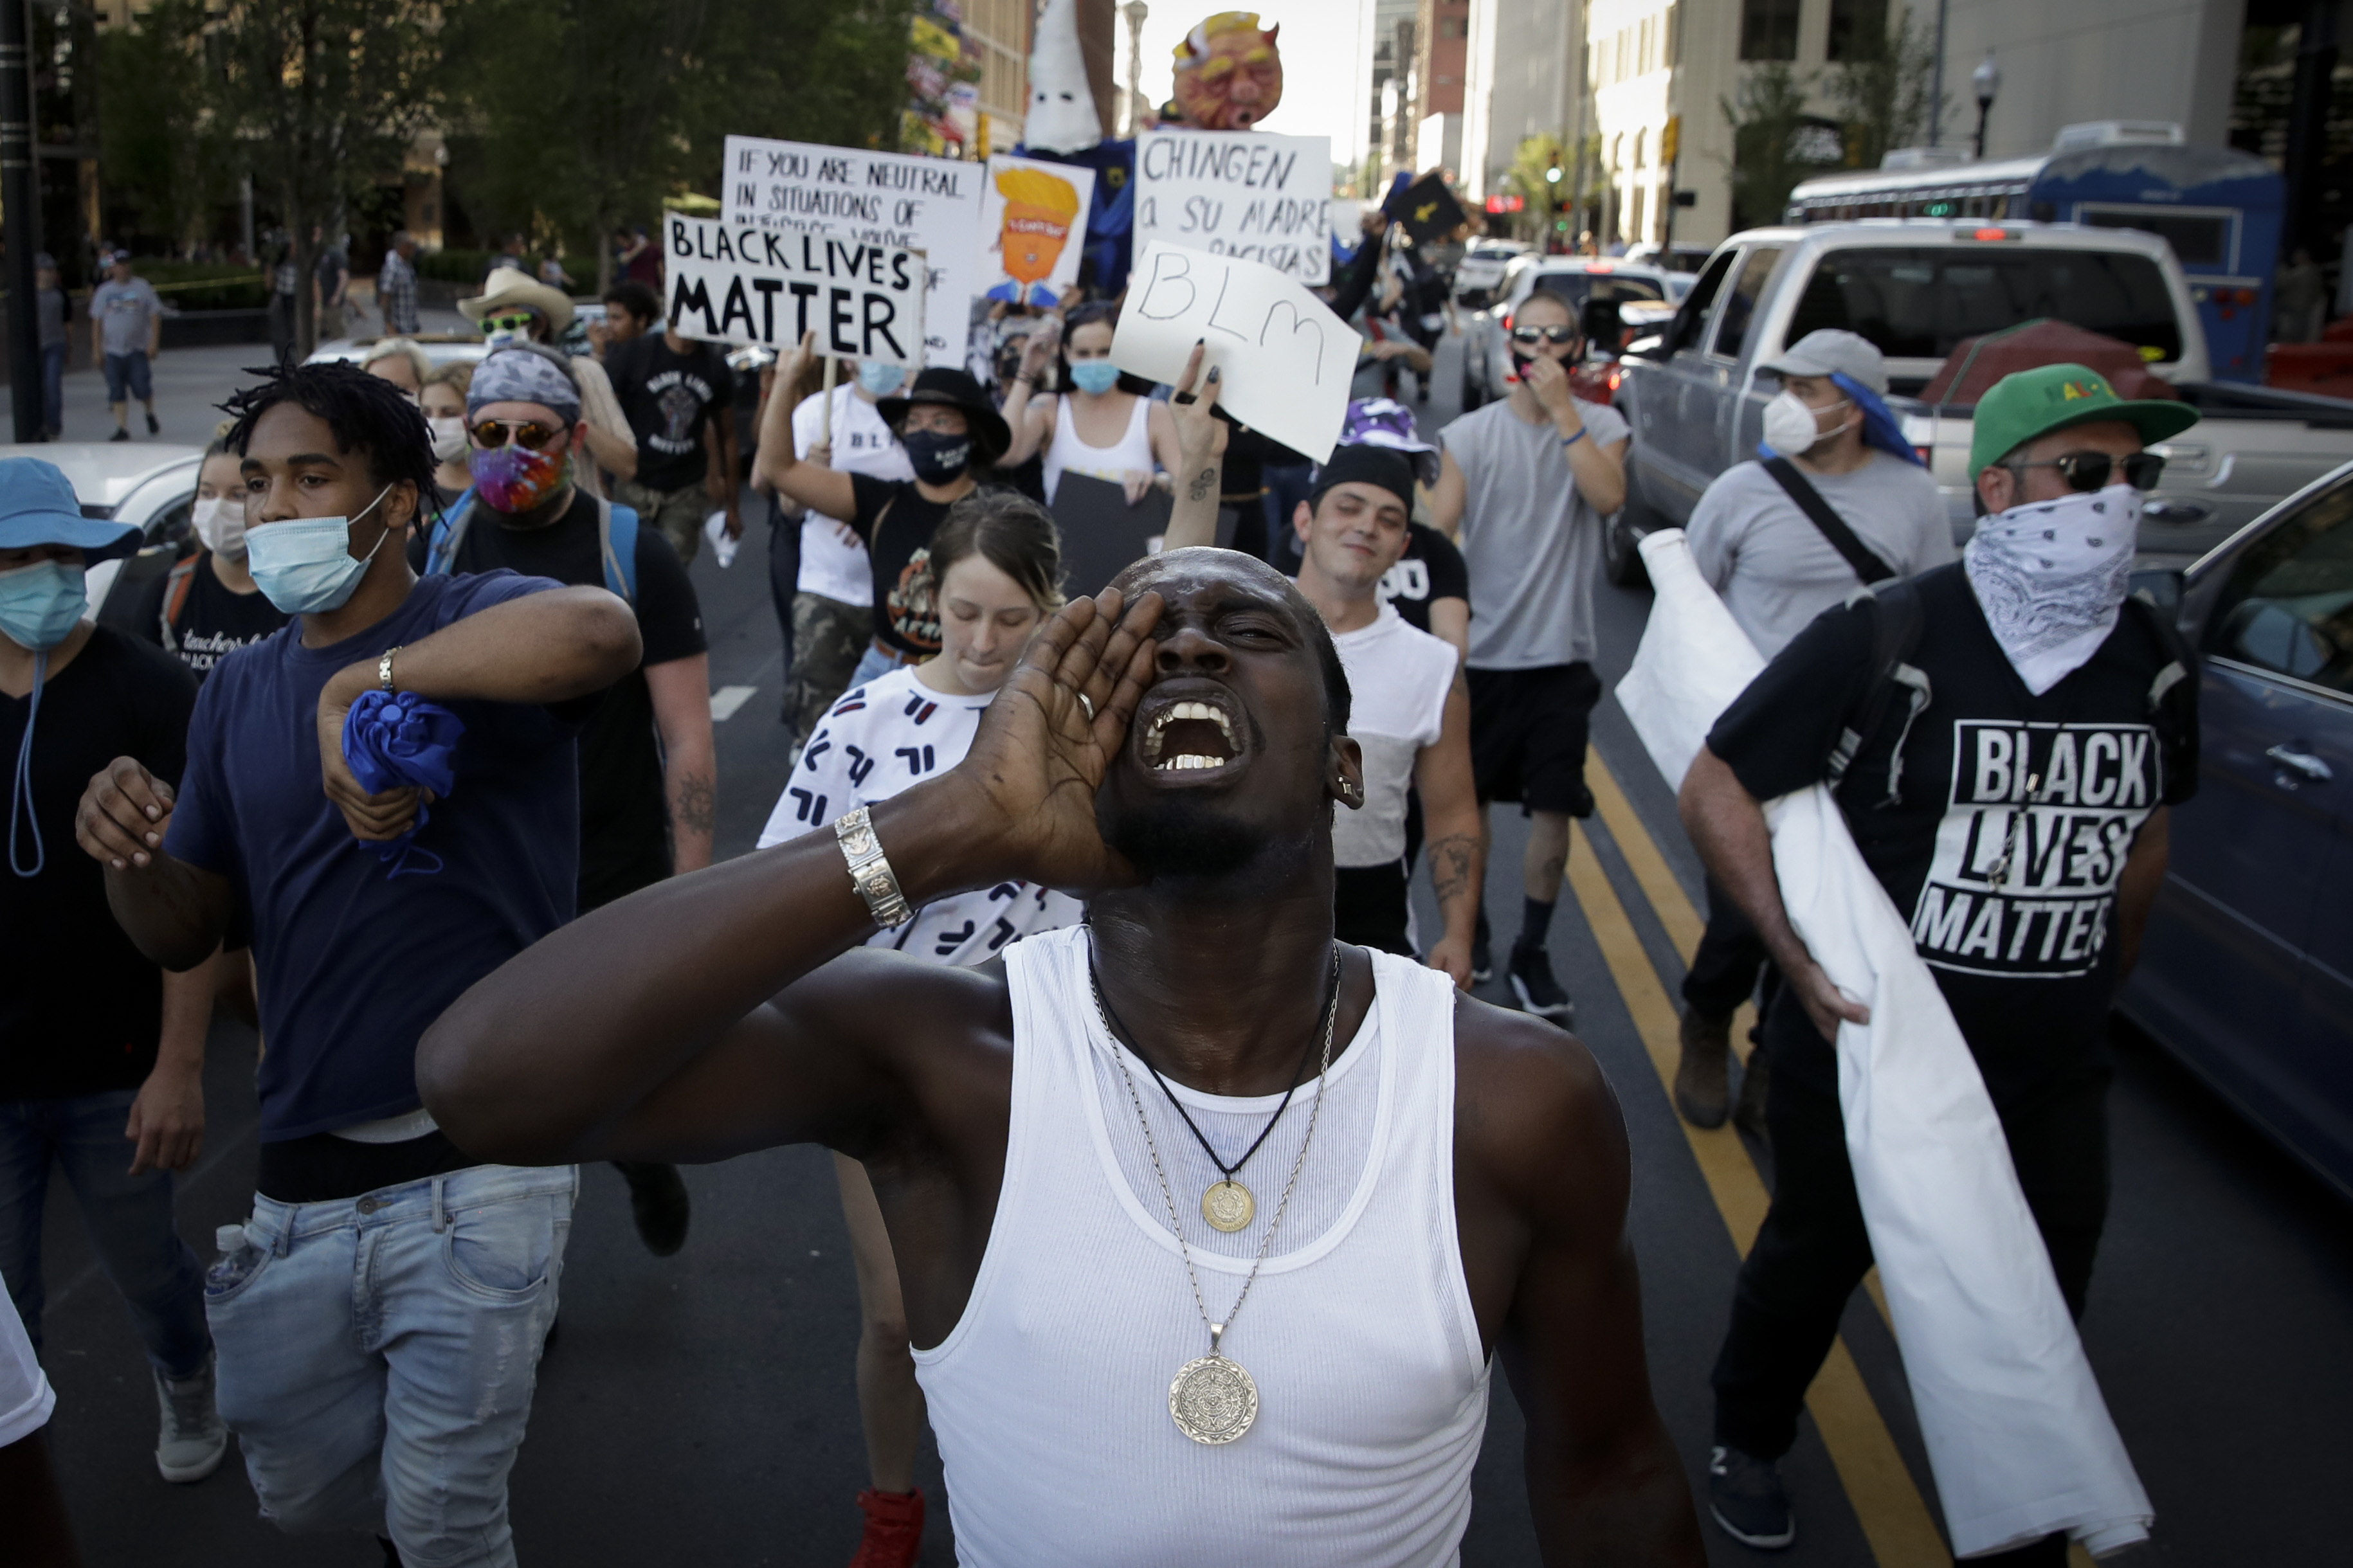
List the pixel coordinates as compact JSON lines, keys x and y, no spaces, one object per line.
{"x":870,"y":869}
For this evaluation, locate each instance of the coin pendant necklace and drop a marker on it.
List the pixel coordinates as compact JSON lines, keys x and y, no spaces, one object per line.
{"x":1213,"y":1399}
{"x":1226,"y":1203}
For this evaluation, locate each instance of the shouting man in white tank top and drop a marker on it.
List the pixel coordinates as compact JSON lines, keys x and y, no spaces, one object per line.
{"x":1209,"y":1228}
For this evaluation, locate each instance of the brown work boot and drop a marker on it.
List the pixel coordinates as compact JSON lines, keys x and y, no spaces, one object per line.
{"x":1703,"y":1076}
{"x":894,"y":1528}
{"x":1756,"y":1080}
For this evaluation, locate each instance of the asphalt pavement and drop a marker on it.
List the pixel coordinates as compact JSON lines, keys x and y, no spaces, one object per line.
{"x":700,"y":1409}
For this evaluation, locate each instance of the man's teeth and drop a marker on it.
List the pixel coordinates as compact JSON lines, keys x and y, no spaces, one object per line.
{"x":1190,"y":760}
{"x":1205,"y":712}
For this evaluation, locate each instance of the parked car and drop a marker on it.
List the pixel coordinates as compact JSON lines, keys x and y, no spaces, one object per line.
{"x":143,"y":482}
{"x":1678,"y":259}
{"x":1481,"y":270}
{"x":2246,"y":972}
{"x":442,"y":348}
{"x":1594,"y":288}
{"x":1916,"y":287}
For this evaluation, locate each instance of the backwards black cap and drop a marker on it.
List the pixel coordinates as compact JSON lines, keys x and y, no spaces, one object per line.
{"x":1383,"y":466}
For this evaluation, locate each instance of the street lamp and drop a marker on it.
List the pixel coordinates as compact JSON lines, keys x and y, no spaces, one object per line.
{"x":1987,"y":79}
{"x":1134,"y":11}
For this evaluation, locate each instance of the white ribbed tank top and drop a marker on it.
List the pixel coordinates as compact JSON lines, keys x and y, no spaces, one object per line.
{"x":1050,"y":1398}
{"x":1068,"y":454}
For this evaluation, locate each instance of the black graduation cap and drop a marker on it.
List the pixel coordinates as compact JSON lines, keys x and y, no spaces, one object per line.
{"x":1427,"y":209}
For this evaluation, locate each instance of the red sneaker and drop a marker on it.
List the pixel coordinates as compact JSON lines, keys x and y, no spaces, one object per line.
{"x":894,"y":1528}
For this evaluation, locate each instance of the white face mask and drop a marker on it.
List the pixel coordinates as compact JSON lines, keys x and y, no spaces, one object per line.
{"x":220,"y":524}
{"x":1790,"y":428}
{"x":2051,"y":576}
{"x":449,"y":439}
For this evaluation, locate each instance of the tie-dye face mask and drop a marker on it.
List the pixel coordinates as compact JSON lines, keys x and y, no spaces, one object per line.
{"x":512,"y":478}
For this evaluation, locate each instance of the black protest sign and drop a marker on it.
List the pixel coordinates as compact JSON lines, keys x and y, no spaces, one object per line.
{"x":1427,"y":209}
{"x":735,"y":284}
{"x":1102,"y":535}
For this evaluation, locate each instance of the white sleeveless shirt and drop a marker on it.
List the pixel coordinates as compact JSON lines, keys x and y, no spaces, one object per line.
{"x":1050,"y":1398}
{"x":1067,"y":454}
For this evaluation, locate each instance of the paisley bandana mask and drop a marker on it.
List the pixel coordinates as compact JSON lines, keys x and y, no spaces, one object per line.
{"x":512,"y":478}
{"x":2051,"y":577}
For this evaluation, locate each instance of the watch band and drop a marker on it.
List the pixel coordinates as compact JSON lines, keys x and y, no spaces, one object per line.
{"x":384,"y":667}
{"x":870,"y":869}
{"x":1568,"y":441}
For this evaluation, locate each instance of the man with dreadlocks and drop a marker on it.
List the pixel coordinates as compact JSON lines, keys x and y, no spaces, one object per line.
{"x":379,"y":1318}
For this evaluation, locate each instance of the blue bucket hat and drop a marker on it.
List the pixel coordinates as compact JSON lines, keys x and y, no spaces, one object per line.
{"x":37,"y":506}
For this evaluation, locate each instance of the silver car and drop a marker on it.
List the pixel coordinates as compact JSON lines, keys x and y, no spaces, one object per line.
{"x":1593,"y":286}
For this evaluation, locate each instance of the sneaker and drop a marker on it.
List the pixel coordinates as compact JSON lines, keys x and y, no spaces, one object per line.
{"x":1539,"y":992}
{"x":192,"y":1437}
{"x":154,"y":427}
{"x":120,"y":435}
{"x":657,"y":1201}
{"x":894,"y":1528}
{"x":1755,"y":1082}
{"x":1746,"y":1499}
{"x":1703,"y":1076}
{"x":1482,"y":960}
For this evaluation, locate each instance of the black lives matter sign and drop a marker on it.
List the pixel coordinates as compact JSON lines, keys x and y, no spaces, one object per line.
{"x":2038,"y":824}
{"x":732,"y":284}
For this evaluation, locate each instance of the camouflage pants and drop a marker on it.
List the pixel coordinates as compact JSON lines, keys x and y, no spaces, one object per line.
{"x":678,"y":513}
{"x":828,"y":638}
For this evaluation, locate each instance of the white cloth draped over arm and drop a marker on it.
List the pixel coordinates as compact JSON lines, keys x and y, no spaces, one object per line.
{"x":2017,"y":1432}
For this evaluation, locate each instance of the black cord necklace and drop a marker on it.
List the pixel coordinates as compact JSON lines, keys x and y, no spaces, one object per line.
{"x":1227,"y":1204}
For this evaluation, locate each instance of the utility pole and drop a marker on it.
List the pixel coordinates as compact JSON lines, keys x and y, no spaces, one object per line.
{"x":1937,"y":85}
{"x":20,"y":208}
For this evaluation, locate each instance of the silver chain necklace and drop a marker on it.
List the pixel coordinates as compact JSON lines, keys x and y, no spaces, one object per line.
{"x":1212,"y":1399}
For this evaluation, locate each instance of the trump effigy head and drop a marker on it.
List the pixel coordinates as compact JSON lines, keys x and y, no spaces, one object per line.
{"x":1229,"y":73}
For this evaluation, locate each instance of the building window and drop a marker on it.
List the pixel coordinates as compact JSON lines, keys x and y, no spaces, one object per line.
{"x":1769,"y":30}
{"x":1858,"y":29}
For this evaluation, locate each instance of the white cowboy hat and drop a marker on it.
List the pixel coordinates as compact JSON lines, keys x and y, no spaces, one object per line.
{"x":510,"y":287}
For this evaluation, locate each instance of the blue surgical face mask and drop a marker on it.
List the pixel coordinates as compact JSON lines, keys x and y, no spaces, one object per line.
{"x":1095,"y":375}
{"x":39,"y":604}
{"x":881,"y":380}
{"x":305,"y":565}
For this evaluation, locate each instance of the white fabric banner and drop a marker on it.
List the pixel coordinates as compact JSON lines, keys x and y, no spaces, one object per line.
{"x":2016,"y":1432}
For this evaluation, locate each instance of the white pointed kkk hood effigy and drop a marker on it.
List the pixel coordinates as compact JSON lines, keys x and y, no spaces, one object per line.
{"x":1061,"y":117}
{"x":2015,"y":1430}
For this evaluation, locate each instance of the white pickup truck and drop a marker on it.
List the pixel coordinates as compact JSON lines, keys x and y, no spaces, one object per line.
{"x":1916,"y":288}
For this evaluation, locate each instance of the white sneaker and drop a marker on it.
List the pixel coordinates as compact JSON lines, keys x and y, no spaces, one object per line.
{"x":192,"y":1439}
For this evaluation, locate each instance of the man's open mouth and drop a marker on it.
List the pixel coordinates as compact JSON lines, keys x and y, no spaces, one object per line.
{"x":1185,"y":736}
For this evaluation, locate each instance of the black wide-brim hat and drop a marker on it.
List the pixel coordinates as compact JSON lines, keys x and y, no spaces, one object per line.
{"x":954,"y":388}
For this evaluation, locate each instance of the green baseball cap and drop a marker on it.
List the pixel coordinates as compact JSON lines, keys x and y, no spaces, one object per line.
{"x":2030,"y":403}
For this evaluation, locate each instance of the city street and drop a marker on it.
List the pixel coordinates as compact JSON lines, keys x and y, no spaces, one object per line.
{"x":701,"y":1409}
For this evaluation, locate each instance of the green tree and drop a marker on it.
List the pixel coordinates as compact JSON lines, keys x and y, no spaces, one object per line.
{"x":1884,"y":90}
{"x":163,"y":149}
{"x":1533,"y":162}
{"x":1776,"y":142}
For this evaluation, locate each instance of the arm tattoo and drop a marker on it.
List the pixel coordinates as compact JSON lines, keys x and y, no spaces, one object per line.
{"x":1452,"y":861}
{"x":697,"y":809}
{"x":1199,"y":489}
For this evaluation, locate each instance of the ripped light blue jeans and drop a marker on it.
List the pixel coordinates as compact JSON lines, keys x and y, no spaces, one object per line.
{"x":378,"y":1355}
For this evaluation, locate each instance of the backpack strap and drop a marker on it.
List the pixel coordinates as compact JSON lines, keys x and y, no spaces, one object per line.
{"x":1895,"y":629}
{"x":616,"y":546}
{"x":448,"y":534}
{"x":2173,"y":694}
{"x":175,"y":599}
{"x":1859,"y":555}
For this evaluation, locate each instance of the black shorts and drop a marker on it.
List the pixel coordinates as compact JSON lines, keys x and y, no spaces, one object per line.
{"x":1527,"y":735}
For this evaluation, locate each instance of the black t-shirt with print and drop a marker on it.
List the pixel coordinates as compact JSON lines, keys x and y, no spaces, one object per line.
{"x":213,"y":622}
{"x":897,"y":524}
{"x":1430,"y":568}
{"x":669,"y":399}
{"x":2056,"y":784}
{"x":624,"y":816}
{"x":79,"y":1009}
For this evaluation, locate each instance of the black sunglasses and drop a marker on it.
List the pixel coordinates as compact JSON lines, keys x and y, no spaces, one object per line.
{"x":492,"y":433}
{"x":2089,"y":471}
{"x":1529,"y":337}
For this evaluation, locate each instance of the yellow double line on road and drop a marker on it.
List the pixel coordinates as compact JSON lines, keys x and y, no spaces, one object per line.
{"x":1896,"y":1519}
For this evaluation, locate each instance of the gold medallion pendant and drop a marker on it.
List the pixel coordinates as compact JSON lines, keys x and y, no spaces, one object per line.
{"x":1213,"y":1400}
{"x":1227,"y":1205}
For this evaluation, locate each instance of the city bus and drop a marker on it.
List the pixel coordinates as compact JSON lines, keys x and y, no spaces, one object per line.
{"x":2217,"y":207}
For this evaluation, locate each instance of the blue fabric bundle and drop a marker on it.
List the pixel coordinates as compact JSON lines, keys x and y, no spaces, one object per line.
{"x":1880,"y":429}
{"x":399,"y":741}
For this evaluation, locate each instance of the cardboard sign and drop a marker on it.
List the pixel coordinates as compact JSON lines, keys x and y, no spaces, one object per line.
{"x":1033,"y":218}
{"x":734,"y":285}
{"x":1102,"y":535}
{"x":1285,"y":358}
{"x":1251,"y":194}
{"x":927,"y":205}
{"x":1427,"y":210}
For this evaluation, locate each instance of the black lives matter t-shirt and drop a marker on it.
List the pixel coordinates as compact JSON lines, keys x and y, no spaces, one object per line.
{"x":1430,"y":568}
{"x":2010,"y":824}
{"x":79,"y":1009}
{"x":897,"y":524}
{"x":624,"y":816}
{"x":214,"y":620}
{"x":669,"y":398}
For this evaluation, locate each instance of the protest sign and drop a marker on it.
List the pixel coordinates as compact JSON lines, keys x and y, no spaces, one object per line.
{"x":1102,"y":535}
{"x":1249,"y":193}
{"x":1033,"y":218}
{"x":930,"y":204}
{"x":1427,"y":209}
{"x":733,"y":285}
{"x":1285,"y":358}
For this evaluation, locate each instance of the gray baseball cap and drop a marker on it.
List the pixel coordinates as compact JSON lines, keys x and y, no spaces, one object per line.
{"x":1831,"y":351}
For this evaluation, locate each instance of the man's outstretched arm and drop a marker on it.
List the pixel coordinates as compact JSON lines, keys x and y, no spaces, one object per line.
{"x":670,"y":1025}
{"x":1542,"y":1175}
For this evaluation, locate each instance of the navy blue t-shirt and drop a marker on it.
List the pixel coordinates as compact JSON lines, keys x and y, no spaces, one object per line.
{"x":353,"y":964}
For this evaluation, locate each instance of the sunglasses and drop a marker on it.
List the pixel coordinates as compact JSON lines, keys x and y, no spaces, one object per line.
{"x":515,"y":322}
{"x":495,"y":433}
{"x":1529,"y":337}
{"x":2089,"y":471}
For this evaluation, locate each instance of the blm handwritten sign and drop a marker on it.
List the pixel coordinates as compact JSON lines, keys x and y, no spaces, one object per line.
{"x":930,"y":204}
{"x":1251,"y":194}
{"x":734,"y":285}
{"x":1284,"y":358}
